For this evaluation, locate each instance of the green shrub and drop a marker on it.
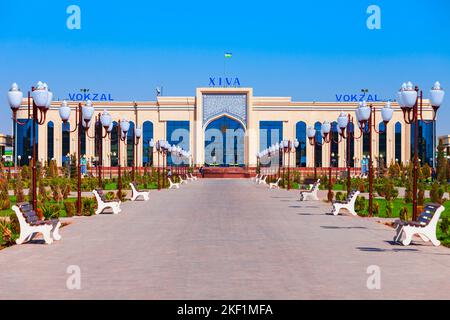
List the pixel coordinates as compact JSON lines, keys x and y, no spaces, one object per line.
{"x":88,"y":205}
{"x":339,"y":196}
{"x":70,"y":208}
{"x":360,"y":204}
{"x":404,"y":215}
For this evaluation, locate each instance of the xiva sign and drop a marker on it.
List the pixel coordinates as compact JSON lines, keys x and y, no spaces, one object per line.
{"x":357,"y":97}
{"x":90,"y":96}
{"x":224,"y":82}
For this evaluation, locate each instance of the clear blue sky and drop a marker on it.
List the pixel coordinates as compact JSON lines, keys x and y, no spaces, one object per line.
{"x":310,"y":50}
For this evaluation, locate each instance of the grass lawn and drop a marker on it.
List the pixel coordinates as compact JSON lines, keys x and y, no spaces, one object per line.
{"x":113,"y":186}
{"x":8,"y":212}
{"x":398,"y":204}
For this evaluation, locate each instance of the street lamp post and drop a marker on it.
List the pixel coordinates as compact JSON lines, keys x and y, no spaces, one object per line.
{"x":137,"y":137}
{"x":42,"y":99}
{"x":366,"y":117}
{"x":410,"y":99}
{"x":122,"y":129}
{"x":289,"y":147}
{"x":83,"y":117}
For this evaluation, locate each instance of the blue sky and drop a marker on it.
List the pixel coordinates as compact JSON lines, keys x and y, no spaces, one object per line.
{"x":310,"y":50}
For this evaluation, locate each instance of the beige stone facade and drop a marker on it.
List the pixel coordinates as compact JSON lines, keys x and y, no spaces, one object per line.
{"x":257,"y":109}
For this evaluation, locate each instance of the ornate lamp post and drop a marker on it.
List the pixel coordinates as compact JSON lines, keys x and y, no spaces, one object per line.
{"x":410,"y":99}
{"x":137,"y":137}
{"x":42,"y":99}
{"x":122,"y":130}
{"x":328,"y":138}
{"x":311,"y":133}
{"x":366,"y":117}
{"x":83,"y":115}
{"x":289,"y":147}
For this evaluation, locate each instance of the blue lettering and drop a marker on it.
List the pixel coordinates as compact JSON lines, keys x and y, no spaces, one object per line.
{"x":211,"y":82}
{"x":95,"y":97}
{"x":346,"y":98}
{"x":228,"y":81}
{"x":71,"y":96}
{"x":110,"y":98}
{"x":236,"y":82}
{"x":103,"y":97}
{"x":353,"y":97}
{"x":87,"y":96}
{"x":79,"y":97}
{"x":338,"y":97}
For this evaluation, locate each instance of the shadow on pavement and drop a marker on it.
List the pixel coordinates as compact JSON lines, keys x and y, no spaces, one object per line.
{"x":334,"y":227}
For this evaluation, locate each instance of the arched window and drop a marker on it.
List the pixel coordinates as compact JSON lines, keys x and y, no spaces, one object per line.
{"x":426,"y":142}
{"x":65,"y":142}
{"x":114,"y":146}
{"x":50,"y":141}
{"x":382,"y":148}
{"x":98,"y":142}
{"x":318,"y":147}
{"x":300,"y":134}
{"x":352,"y":145}
{"x":334,"y":145}
{"x":130,"y":145}
{"x":147,"y":135}
{"x":398,"y":142}
{"x":83,"y":143}
{"x":366,"y":142}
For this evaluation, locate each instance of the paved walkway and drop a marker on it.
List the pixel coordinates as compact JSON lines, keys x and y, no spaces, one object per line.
{"x":224,"y":239}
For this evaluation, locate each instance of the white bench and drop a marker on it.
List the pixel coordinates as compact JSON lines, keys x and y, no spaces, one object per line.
{"x":424,"y":227}
{"x":348,"y":204}
{"x":102,"y":203}
{"x":262,"y":180}
{"x":135,"y":193}
{"x":181,"y":180}
{"x":173,"y":185}
{"x":189,"y":178}
{"x":193,"y":177}
{"x":274,"y":185}
{"x":30,"y":225}
{"x":255,"y":178}
{"x":311,"y":193}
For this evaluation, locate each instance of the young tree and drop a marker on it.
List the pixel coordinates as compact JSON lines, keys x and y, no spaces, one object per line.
{"x":441,"y":164}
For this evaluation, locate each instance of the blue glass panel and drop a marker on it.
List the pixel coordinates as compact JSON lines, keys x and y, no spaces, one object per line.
{"x":300,"y":134}
{"x":398,"y":142}
{"x":177,"y":134}
{"x":50,"y":141}
{"x":147,"y":135}
{"x":426,"y":142}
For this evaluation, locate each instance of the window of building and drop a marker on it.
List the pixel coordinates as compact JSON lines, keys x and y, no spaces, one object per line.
{"x":334,"y":145}
{"x":270,"y":132}
{"x":352,"y":145}
{"x":25,"y":140}
{"x":398,"y":142}
{"x":382,"y":145}
{"x":65,"y":142}
{"x":366,"y":141}
{"x":147,"y":135}
{"x":50,"y":141}
{"x":114,"y":146}
{"x":300,"y":135}
{"x":177,"y":133}
{"x":130,"y":145}
{"x":426,"y":144}
{"x":318,"y":146}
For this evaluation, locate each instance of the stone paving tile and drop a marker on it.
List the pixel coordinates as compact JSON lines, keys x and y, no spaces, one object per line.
{"x":224,"y":239}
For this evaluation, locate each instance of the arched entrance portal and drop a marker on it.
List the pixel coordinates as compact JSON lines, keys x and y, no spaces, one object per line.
{"x":224,"y":142}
